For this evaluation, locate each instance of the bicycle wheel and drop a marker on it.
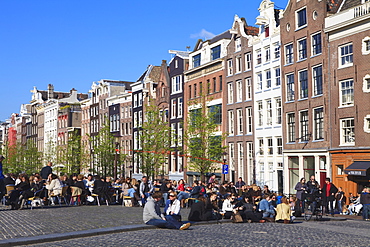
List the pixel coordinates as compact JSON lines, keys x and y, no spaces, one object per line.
{"x":307,"y":212}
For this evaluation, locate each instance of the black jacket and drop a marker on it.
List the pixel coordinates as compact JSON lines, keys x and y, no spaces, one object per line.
{"x":332,"y":192}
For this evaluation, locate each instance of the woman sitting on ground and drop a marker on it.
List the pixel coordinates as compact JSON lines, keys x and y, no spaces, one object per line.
{"x":172,"y":208}
{"x":283,"y":212}
{"x":198,"y":209}
{"x":228,"y":206}
{"x":212,"y":210}
{"x":248,"y":211}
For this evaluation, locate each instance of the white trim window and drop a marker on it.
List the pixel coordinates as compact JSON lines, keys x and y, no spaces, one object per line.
{"x":259,"y":56}
{"x":176,"y":84}
{"x":240,"y":157}
{"x":180,"y":107}
{"x":317,"y":80}
{"x":316,"y":44}
{"x":231,"y":122}
{"x":290,"y":87}
{"x":249,"y":120}
{"x":260,"y":113}
{"x":238,"y":44}
{"x":366,"y":84}
{"x":291,"y":127}
{"x":229,"y":67}
{"x":346,"y":92}
{"x":267,"y":53}
{"x":276,"y":51}
{"x":347,"y":136}
{"x":259,"y":81}
{"x":303,"y":84}
{"x":239,"y":91}
{"x":268,"y":78}
{"x":238,"y":65}
{"x":278,"y":110}
{"x":173,"y":108}
{"x":289,"y":54}
{"x":345,"y":55}
{"x":367,"y":123}
{"x":303,"y":126}
{"x":248,"y":61}
{"x":366,"y":46}
{"x":301,"y":18}
{"x":248,"y":88}
{"x":230,"y":93}
{"x":179,"y":133}
{"x":302,"y":49}
{"x":269,"y":112}
{"x":277,"y":76}
{"x":239,"y":116}
{"x":318,"y":128}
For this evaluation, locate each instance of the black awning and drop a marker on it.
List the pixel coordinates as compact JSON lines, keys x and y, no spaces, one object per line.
{"x":358,"y":168}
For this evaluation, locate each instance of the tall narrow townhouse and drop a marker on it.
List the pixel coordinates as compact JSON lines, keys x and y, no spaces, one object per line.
{"x":268,"y":156}
{"x":120,"y":123}
{"x":85,"y":132}
{"x":348,"y":33}
{"x":143,"y":90}
{"x":305,"y":91}
{"x":205,"y":78}
{"x":99,"y":113}
{"x":176,"y":67}
{"x":238,"y":101}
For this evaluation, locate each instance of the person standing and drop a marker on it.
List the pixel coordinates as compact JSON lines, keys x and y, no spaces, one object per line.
{"x":301,"y":188}
{"x":46,"y":171}
{"x":2,"y":184}
{"x":365,"y":201}
{"x":328,"y":193}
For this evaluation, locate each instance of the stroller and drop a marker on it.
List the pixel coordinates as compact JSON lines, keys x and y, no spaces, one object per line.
{"x":313,"y":206}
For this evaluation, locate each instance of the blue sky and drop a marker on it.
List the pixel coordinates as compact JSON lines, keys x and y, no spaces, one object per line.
{"x":71,"y":43}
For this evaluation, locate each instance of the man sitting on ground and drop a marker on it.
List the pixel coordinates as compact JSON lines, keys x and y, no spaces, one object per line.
{"x":152,"y":215}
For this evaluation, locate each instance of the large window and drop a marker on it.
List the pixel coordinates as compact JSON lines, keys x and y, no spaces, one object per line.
{"x":216,"y":111}
{"x":229,"y":67}
{"x":259,"y":56}
{"x":230,"y":93}
{"x":316,"y":44}
{"x":248,"y":88}
{"x":249,"y":120}
{"x":238,"y":65}
{"x":239,"y":91}
{"x":260,"y":113}
{"x":290,"y":87}
{"x":176,"y":84}
{"x":239,"y":115}
{"x":279,"y":145}
{"x":268,"y":78}
{"x":259,"y":81}
{"x":303,"y":84}
{"x":277,"y":77}
{"x":347,"y":131}
{"x":196,"y":61}
{"x":270,"y":146}
{"x":346,"y":55}
{"x":304,"y":125}
{"x":278,"y":110}
{"x":173,"y":108}
{"x":291,"y":127}
{"x":302,"y":49}
{"x":318,"y":115}
{"x":248,"y":61}
{"x":180,"y":106}
{"x":231,"y":122}
{"x":301,"y":18}
{"x":216,"y":52}
{"x":289,"y":54}
{"x":267,"y":53}
{"x":346,"y":91}
{"x":269,"y":112}
{"x":317,"y":80}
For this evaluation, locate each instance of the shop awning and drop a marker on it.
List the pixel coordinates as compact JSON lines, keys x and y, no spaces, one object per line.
{"x":358,"y":168}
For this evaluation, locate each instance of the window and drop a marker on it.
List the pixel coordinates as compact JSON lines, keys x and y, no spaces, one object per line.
{"x":367,"y":123}
{"x":318,"y":115}
{"x":277,"y":51}
{"x":238,"y":44}
{"x":346,"y":91}
{"x":214,"y":84}
{"x":366,"y":46}
{"x":216,"y":52}
{"x":261,"y":146}
{"x":196,"y":61}
{"x":179,"y":133}
{"x":239,"y":91}
{"x":173,"y":108}
{"x":289,"y":54}
{"x":195,"y":90}
{"x":270,"y":149}
{"x":220,"y":82}
{"x":179,"y":109}
{"x":277,"y":77}
{"x":259,"y":81}
{"x":173,"y":134}
{"x":278,"y":110}
{"x":248,"y":61}
{"x":340,"y":170}
{"x":347,"y":131}
{"x":260,"y":113}
{"x":216,"y":111}
{"x":267,"y":53}
{"x":201,"y":87}
{"x":267,"y":31}
{"x":176,"y":84}
{"x":302,"y":49}
{"x":268,"y":78}
{"x":230,"y":93}
{"x":291,"y":127}
{"x":248,"y":88}
{"x":346,"y":55}
{"x":190,"y":91}
{"x":269,"y":112}
{"x":229,"y":67}
{"x":239,"y":115}
{"x":316,"y":44}
{"x":238,"y":67}
{"x":317,"y":80}
{"x":366,"y":84}
{"x":259,"y":56}
{"x":304,"y":126}
{"x":279,"y":145}
{"x":231,"y":122}
{"x":290,"y":87}
{"x":249,"y":119}
{"x":303,"y":84}
{"x":301,"y":18}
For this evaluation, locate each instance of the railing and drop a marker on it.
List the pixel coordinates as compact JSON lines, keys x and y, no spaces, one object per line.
{"x":361,"y":10}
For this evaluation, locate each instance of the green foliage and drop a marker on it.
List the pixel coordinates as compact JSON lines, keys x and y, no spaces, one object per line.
{"x":202,"y":144}
{"x":155,"y":142}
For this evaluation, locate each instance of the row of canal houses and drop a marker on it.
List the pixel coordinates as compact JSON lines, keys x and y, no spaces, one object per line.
{"x":292,"y":94}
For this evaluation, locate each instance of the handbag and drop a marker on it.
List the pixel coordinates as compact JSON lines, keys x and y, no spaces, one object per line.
{"x":236,"y":218}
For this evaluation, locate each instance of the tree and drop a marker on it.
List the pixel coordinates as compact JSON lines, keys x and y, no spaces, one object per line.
{"x":202,"y":145}
{"x":154,"y":140}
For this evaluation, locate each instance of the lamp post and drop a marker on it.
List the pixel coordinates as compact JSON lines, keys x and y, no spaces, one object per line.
{"x":116,"y":160}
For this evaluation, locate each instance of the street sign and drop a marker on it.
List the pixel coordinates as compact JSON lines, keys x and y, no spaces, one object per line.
{"x":225,"y":169}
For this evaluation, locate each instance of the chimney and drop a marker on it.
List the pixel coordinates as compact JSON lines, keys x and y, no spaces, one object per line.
{"x":50,"y":91}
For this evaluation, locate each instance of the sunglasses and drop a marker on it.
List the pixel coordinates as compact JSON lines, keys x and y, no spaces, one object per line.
{"x":172,"y":195}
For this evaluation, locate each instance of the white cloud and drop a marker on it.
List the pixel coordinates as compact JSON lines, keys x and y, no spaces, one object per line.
{"x":203,"y":34}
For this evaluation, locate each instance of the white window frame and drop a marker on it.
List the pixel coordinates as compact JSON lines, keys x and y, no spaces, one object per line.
{"x":315,"y":78}
{"x":239,"y":91}
{"x":249,"y":120}
{"x":173,"y":108}
{"x":248,"y":88}
{"x":314,"y":44}
{"x":290,"y":87}
{"x":260,"y":113}
{"x":258,"y":56}
{"x":238,"y":44}
{"x":366,"y":84}
{"x":238,"y":64}
{"x":230,"y":114}
{"x":303,"y":91}
{"x":278,"y":110}
{"x":269,"y":112}
{"x":299,"y":26}
{"x":268,"y":78}
{"x":345,"y":55}
{"x":229,"y":67}
{"x":303,"y":126}
{"x":277,"y":76}
{"x":367,"y":123}
{"x":239,"y":116}
{"x":366,"y":45}
{"x":259,"y":81}
{"x":346,"y":92}
{"x":302,"y":49}
{"x":248,"y":61}
{"x":180,"y":107}
{"x":347,"y":132}
{"x":230,"y":93}
{"x":318,"y":123}
{"x":289,"y":53}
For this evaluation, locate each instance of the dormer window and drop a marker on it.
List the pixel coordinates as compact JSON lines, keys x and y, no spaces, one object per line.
{"x":216,"y":52}
{"x":267,"y":31}
{"x":196,"y":61}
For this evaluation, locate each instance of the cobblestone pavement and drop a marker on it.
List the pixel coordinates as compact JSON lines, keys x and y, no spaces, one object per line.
{"x":329,"y":233}
{"x":49,"y":220}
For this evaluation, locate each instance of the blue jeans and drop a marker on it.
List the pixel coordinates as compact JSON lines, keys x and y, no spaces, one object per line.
{"x":143,"y":199}
{"x":183,"y":195}
{"x":131,"y":193}
{"x":365,"y":211}
{"x":174,"y":220}
{"x":268,"y":214}
{"x":339,"y":203}
{"x":161,"y":223}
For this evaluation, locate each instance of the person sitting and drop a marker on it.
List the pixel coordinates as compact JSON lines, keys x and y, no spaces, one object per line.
{"x":197,"y":210}
{"x":172,"y":207}
{"x":129,"y":190}
{"x":355,"y":207}
{"x":101,"y":188}
{"x":152,"y":214}
{"x":54,"y":187}
{"x":247,"y":211}
{"x":180,"y":185}
{"x":194,"y":193}
{"x":165,"y":188}
{"x":283,"y":212}
{"x":15,"y":195}
{"x":36,"y":190}
{"x":266,"y":208}
{"x":228,"y":206}
{"x":223,"y":190}
{"x":212,"y":210}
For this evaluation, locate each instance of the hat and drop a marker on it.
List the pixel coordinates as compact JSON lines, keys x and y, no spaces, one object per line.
{"x":2,"y":157}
